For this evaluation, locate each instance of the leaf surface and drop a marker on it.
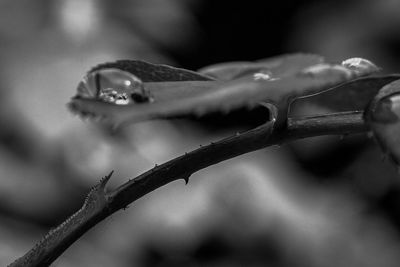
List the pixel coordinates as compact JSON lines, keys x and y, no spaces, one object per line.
{"x":149,"y":72}
{"x":354,"y":95}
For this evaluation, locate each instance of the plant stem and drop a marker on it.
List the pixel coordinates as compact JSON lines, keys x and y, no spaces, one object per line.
{"x":255,"y":139}
{"x":99,"y":205}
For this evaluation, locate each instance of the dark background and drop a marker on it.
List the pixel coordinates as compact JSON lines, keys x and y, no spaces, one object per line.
{"x":328,"y":201}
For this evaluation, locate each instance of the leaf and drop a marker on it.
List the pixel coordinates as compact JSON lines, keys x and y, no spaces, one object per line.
{"x":148,"y":72}
{"x":279,"y":66}
{"x":383,"y":117}
{"x":354,"y":95}
{"x":186,"y":98}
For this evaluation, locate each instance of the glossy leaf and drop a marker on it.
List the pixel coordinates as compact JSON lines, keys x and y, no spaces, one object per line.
{"x":383,"y":117}
{"x":186,"y":98}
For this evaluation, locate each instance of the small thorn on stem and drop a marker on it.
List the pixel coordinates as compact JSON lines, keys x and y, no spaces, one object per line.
{"x":186,"y":179}
{"x":105,"y":180}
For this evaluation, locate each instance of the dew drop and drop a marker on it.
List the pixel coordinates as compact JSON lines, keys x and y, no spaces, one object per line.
{"x":360,"y":65}
{"x":266,"y":75}
{"x":113,"y":86}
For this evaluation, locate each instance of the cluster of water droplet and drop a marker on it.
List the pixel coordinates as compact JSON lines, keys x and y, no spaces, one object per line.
{"x":113,"y":86}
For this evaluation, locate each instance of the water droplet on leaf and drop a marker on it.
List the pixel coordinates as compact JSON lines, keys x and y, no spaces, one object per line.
{"x":360,"y":65}
{"x":265,"y":75}
{"x":113,"y":86}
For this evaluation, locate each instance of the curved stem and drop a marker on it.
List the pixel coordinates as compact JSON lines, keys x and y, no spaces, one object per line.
{"x":99,"y":205}
{"x":255,"y":139}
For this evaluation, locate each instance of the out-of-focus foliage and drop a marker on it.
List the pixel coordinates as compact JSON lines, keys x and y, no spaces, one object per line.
{"x":320,"y":202}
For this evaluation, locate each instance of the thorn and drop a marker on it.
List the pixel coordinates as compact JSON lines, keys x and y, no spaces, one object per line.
{"x":105,"y":179}
{"x":186,"y":179}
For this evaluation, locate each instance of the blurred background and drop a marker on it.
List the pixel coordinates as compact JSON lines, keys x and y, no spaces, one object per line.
{"x":328,"y":201}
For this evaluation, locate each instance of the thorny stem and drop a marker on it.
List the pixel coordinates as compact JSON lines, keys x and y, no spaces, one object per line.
{"x":255,"y":139}
{"x":99,"y":205}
